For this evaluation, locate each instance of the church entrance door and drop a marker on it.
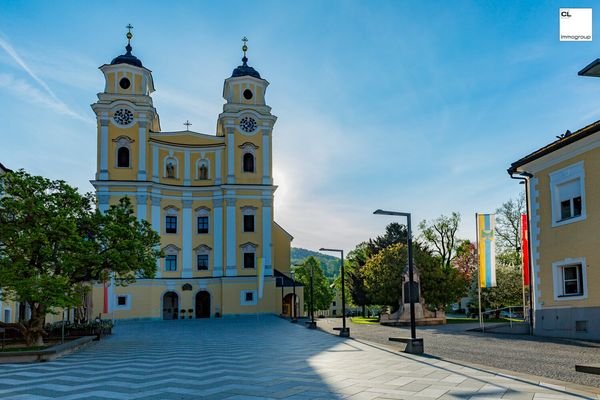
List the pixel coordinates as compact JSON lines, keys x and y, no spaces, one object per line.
{"x":170,"y":305}
{"x":288,"y":302}
{"x":203,"y":305}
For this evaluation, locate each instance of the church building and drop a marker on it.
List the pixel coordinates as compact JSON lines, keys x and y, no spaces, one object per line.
{"x":210,"y":196}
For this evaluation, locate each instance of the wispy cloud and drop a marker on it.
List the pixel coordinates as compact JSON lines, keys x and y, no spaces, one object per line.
{"x":23,"y":89}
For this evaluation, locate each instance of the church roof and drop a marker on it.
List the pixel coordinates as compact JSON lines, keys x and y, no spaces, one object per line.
{"x":245,"y":70}
{"x":127,"y":58}
{"x":186,"y":139}
{"x":284,"y":280}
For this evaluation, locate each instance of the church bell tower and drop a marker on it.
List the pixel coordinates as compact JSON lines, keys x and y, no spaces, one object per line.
{"x":125,"y":115}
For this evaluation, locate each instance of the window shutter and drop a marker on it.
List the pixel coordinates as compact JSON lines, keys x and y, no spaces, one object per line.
{"x":569,"y":190}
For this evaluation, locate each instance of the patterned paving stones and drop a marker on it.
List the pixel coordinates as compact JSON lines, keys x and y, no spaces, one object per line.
{"x":250,"y":358}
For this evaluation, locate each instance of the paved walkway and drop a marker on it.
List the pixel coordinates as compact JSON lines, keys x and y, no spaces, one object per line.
{"x":533,"y":355}
{"x":254,"y":358}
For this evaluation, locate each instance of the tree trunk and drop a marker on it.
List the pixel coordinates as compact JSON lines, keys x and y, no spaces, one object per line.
{"x":33,"y":330}
{"x":364,"y":310}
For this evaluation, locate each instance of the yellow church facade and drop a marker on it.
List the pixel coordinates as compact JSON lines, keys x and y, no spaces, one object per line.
{"x":209,"y":196}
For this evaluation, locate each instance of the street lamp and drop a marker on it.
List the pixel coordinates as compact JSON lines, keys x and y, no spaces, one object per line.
{"x":282,"y":284}
{"x":293,"y":313}
{"x":345,"y":332}
{"x":312,"y":324}
{"x":415,"y":345}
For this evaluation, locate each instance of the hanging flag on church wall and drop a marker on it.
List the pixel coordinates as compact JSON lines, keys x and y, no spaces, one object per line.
{"x":486,"y":247}
{"x":261,"y":277}
{"x":525,"y":249}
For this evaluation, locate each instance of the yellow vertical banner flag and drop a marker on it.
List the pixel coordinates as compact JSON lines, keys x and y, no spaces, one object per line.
{"x":260,"y":275}
{"x":486,"y":248}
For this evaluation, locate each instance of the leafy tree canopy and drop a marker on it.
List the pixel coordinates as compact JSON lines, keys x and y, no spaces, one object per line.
{"x":53,"y":243}
{"x":440,"y":236}
{"x":394,"y":233}
{"x":383,"y":275}
{"x":322,"y":290}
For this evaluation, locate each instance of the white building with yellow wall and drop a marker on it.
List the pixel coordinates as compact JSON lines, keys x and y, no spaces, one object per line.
{"x":563,"y":183}
{"x":210,"y":196}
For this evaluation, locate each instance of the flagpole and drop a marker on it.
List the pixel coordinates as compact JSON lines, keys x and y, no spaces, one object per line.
{"x":478,"y":270}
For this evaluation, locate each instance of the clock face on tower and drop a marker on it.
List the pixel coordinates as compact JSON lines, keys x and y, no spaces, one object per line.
{"x":248,"y":124}
{"x":123,"y":116}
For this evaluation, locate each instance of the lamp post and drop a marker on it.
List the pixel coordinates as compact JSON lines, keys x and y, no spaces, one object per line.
{"x":293,"y":312}
{"x":345,"y":332}
{"x":415,"y":345}
{"x":312,"y":324}
{"x":282,"y":283}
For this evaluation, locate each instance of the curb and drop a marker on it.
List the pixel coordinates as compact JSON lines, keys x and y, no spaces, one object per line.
{"x":52,"y":353}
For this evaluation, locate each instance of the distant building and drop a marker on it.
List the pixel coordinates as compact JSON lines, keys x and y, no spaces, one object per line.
{"x":563,"y":183}
{"x":7,"y":308}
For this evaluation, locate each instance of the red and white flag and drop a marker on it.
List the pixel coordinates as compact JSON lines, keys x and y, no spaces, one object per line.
{"x":525,"y":249}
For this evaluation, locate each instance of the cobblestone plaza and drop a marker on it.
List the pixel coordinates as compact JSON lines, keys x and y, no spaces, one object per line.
{"x":261,"y":357}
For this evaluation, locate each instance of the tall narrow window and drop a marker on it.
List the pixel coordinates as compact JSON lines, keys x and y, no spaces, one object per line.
{"x":202,"y":257}
{"x":203,"y":224}
{"x":249,"y":259}
{"x":123,"y":157}
{"x":572,"y":280}
{"x":570,"y":199}
{"x":202,"y":261}
{"x":171,"y":262}
{"x":567,"y":191}
{"x":123,"y":151}
{"x":171,"y":224}
{"x":248,"y":162}
{"x":248,"y":223}
{"x":248,"y":218}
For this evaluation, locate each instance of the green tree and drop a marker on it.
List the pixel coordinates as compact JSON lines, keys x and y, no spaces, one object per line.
{"x":440,"y":236}
{"x":383,"y":275}
{"x":394,"y":233}
{"x":354,"y":277}
{"x":322,"y":288}
{"x":440,"y":285}
{"x":508,"y":290}
{"x":54,"y":244}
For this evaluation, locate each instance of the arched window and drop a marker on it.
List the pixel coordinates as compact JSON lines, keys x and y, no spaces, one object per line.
{"x":123,"y":157}
{"x":249,"y":255}
{"x":248,"y":162}
{"x":123,"y":151}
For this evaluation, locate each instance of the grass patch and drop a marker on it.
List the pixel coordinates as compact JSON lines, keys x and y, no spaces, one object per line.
{"x":365,"y":321}
{"x":33,"y":348}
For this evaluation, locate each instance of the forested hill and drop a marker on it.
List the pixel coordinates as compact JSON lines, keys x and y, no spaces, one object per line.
{"x":330,"y":264}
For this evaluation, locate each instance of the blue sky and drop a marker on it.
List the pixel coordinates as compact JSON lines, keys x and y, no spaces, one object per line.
{"x":409,"y":106}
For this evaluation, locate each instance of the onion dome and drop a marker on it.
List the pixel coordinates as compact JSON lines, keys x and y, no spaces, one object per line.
{"x":245,"y":69}
{"x":127,"y":58}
